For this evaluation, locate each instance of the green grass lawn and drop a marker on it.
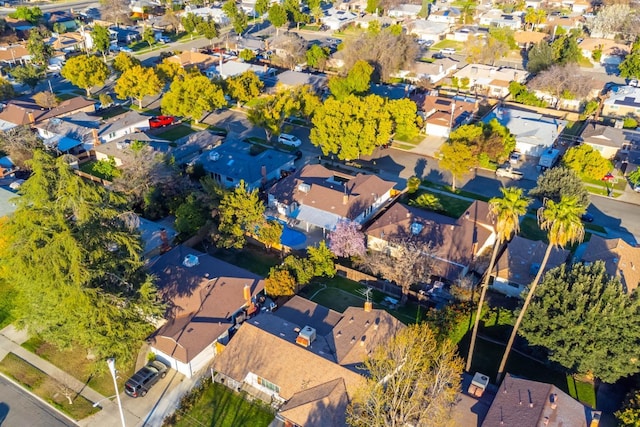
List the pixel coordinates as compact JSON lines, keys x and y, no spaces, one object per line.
{"x":75,"y":362}
{"x":411,"y":141}
{"x":90,"y":168}
{"x":7,"y":295}
{"x":451,"y":206}
{"x":444,"y":44}
{"x":251,"y":258}
{"x":459,"y":192}
{"x":572,"y":128}
{"x":46,"y":387}
{"x":218,"y":406}
{"x":176,"y":133}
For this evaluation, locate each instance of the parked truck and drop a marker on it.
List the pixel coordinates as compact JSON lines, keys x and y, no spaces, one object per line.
{"x":549,"y":158}
{"x":509,"y":172}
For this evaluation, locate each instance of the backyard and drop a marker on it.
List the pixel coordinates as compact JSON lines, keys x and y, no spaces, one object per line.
{"x":176,"y":132}
{"x":214,"y":405}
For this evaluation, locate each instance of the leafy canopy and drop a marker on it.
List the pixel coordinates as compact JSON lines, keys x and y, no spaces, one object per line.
{"x":74,"y":256}
{"x":586,"y":321}
{"x":138,"y":82}
{"x":587,"y":162}
{"x":244,"y":87}
{"x":192,"y":97}
{"x":346,"y":240}
{"x":240,"y":211}
{"x":560,"y":181}
{"x":457,"y":158}
{"x":85,"y":72}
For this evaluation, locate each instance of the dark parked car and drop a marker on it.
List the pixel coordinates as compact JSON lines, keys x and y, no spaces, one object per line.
{"x":298,"y":154}
{"x":161,"y":121}
{"x":587,"y":217}
{"x":140,"y":383}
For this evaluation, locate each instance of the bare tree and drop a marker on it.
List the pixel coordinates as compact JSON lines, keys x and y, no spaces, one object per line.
{"x":614,"y":19}
{"x":562,"y":81}
{"x":386,"y":52}
{"x":404,"y":261}
{"x":20,"y":143}
{"x":291,"y":49}
{"x":116,"y":11}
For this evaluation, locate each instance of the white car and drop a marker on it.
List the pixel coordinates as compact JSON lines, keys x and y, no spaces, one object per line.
{"x":289,"y":140}
{"x":448,"y":51}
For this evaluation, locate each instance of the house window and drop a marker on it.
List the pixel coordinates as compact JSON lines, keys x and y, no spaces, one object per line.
{"x":112,"y":135}
{"x":267,"y":384}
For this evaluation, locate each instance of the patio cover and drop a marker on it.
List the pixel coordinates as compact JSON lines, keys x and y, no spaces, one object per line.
{"x":319,"y":218}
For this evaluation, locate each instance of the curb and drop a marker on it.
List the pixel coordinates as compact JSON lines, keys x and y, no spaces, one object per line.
{"x":12,"y":381}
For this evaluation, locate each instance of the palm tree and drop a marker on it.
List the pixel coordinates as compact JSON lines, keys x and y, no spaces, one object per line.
{"x":506,"y":212}
{"x":561,"y":221}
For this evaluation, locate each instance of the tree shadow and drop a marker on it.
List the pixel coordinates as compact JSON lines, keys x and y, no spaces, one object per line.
{"x":420,"y":167}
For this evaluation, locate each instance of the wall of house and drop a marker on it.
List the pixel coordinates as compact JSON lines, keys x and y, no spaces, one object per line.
{"x":102,"y":156}
{"x":606,"y":151}
{"x":181,"y":367}
{"x":140,"y":126}
{"x":379,"y":202}
{"x":507,"y":288}
{"x":609,"y":110}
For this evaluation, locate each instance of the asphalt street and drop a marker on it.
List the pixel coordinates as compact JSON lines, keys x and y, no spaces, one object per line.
{"x":19,"y":408}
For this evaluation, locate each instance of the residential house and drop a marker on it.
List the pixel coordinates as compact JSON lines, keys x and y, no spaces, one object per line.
{"x":189,"y":147}
{"x":236,"y":161}
{"x":125,"y":35}
{"x":19,"y":112}
{"x":364,"y":21}
{"x":68,"y":42}
{"x":525,"y":39}
{"x":291,"y":79}
{"x":20,"y":26}
{"x":621,"y":259}
{"x":442,"y":114}
{"x":525,"y":403}
{"x":235,"y":68}
{"x":319,"y":197}
{"x":352,"y":5}
{"x":16,"y":54}
{"x":215,"y":13}
{"x":534,"y":132}
{"x":468,"y":32}
{"x":189,"y":59}
{"x":612,"y":52}
{"x":567,"y":23}
{"x":623,"y":101}
{"x":404,"y":11}
{"x":493,"y":81}
{"x":304,"y":359}
{"x":497,"y":18}
{"x":454,"y":243}
{"x":207,"y":299}
{"x":70,"y":134}
{"x":123,"y":124}
{"x":432,"y":71}
{"x":428,"y":30}
{"x":607,"y":140}
{"x":581,"y":6}
{"x":534,"y":4}
{"x":593,"y":85}
{"x":517,"y":266}
{"x":336,"y":19}
{"x":61,"y":17}
{"x":449,"y":16}
{"x":120,"y":149}
{"x":630,"y":153}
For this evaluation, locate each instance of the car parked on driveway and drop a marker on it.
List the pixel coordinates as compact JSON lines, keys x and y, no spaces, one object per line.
{"x":290,"y":140}
{"x":140,"y":383}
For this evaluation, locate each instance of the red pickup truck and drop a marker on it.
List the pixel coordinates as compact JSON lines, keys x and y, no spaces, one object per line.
{"x":161,"y":121}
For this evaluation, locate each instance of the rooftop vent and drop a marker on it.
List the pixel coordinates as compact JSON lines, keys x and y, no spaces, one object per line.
{"x":306,"y":336}
{"x":190,"y":261}
{"x":214,"y":156}
{"x":305,"y":188}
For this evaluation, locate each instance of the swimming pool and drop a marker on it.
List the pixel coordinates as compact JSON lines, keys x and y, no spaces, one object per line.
{"x":290,"y":237}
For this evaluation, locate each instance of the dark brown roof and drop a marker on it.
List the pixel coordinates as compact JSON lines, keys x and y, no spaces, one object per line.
{"x":455,"y":242}
{"x":202,"y":300}
{"x":347,"y":196}
{"x":526,"y":403}
{"x":521,"y":260}
{"x":620,"y":259}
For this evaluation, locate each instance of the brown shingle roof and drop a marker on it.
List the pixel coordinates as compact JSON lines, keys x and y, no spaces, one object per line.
{"x":17,"y":111}
{"x":328,"y":194}
{"x":620,"y":259}
{"x":320,"y":406}
{"x":189,"y":59}
{"x":518,"y":262}
{"x":202,"y":300}
{"x":289,"y":366}
{"x":526,"y":403}
{"x":13,"y":53}
{"x":455,"y":242}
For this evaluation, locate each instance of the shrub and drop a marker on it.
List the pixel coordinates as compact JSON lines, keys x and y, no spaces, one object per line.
{"x":427,"y":201}
{"x":413,"y":184}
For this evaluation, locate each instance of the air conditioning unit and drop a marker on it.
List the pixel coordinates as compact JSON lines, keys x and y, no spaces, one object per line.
{"x":214,"y":156}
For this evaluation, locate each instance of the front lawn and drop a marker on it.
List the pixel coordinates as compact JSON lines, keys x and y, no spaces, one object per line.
{"x":176,"y":132}
{"x":46,"y":387}
{"x":74,"y":361}
{"x":451,"y":206}
{"x":444,"y":44}
{"x":214,"y":405}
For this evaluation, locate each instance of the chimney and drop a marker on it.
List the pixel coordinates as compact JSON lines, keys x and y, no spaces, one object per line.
{"x":96,"y":140}
{"x":345,"y":199}
{"x":165,"y":241}
{"x":368,"y":306}
{"x":32,"y":120}
{"x":440,"y":69}
{"x":247,"y":293}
